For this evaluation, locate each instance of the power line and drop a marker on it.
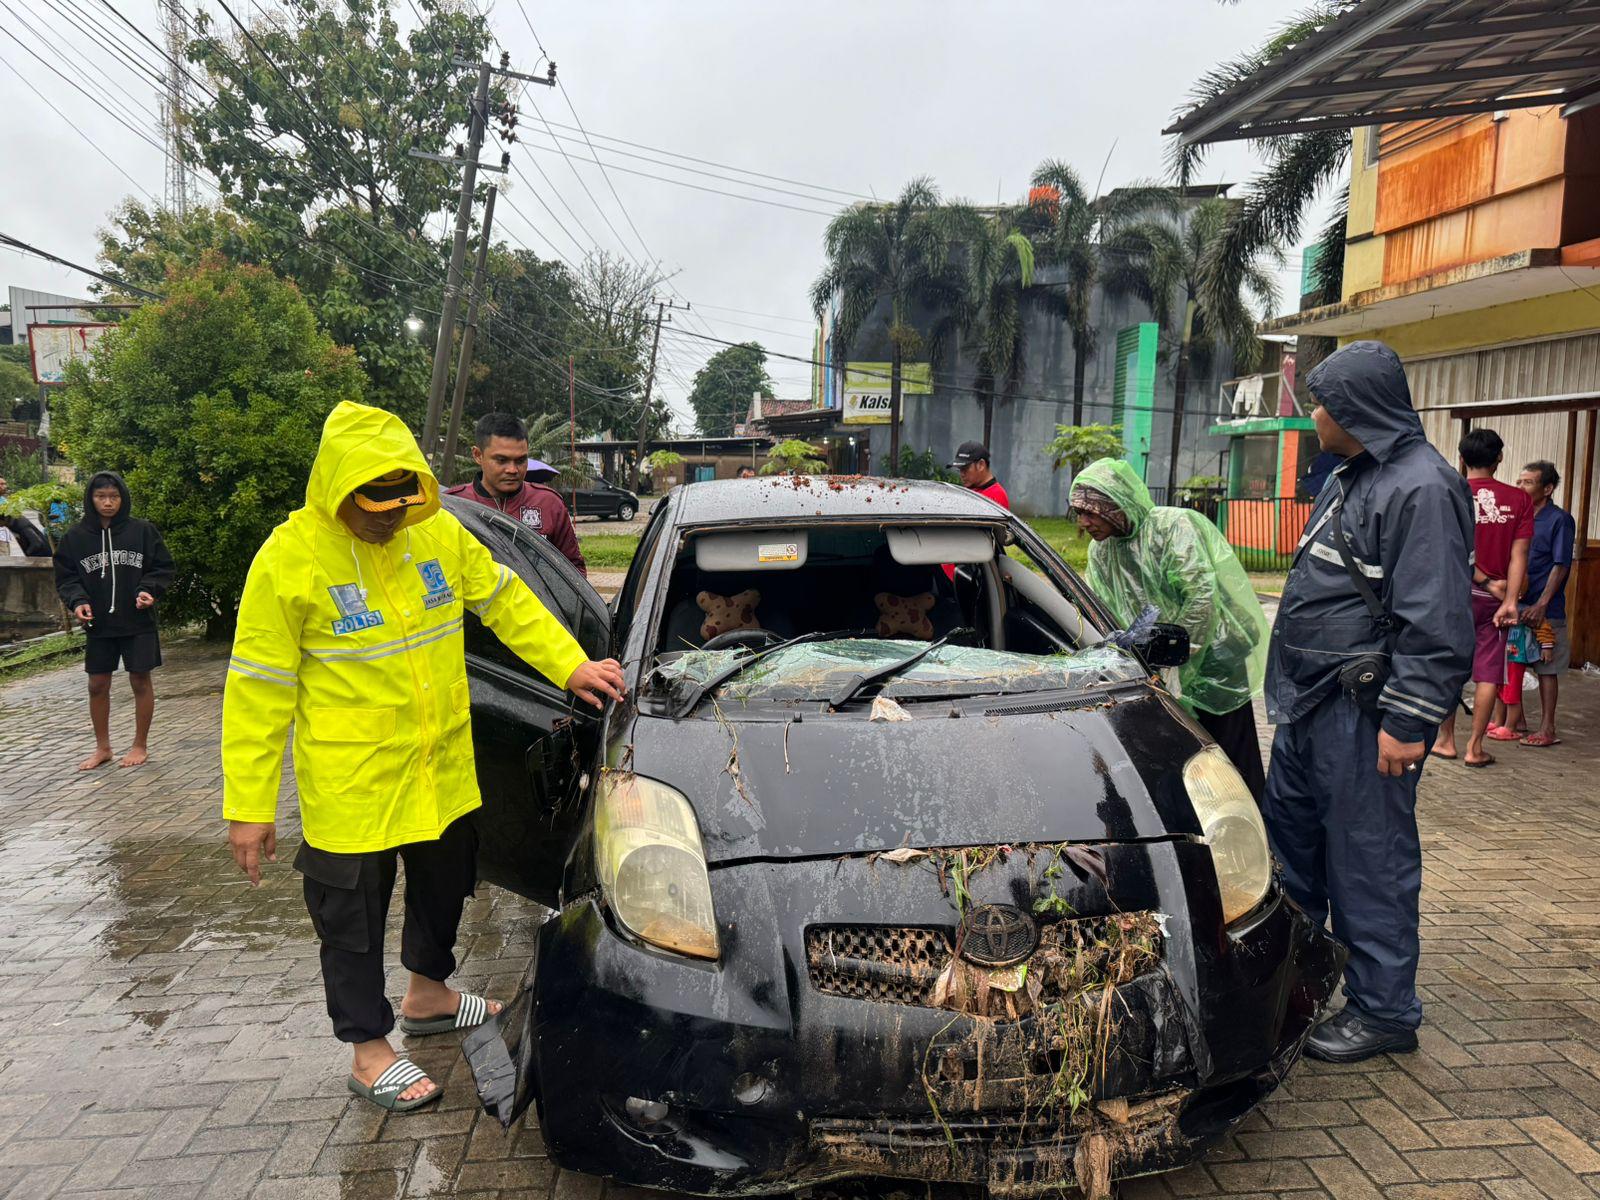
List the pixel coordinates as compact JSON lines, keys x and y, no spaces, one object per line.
{"x":73,"y":125}
{"x":17,"y":244}
{"x":706,"y":162}
{"x":750,"y":183}
{"x":684,"y":183}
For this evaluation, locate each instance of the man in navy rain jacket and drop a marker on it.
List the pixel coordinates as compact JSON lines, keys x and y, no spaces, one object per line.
{"x":1341,"y":793}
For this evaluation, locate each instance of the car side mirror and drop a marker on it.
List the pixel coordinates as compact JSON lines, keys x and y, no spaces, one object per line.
{"x":1164,"y":646}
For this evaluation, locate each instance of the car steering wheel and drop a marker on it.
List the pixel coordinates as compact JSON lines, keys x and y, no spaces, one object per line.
{"x":753,"y":639}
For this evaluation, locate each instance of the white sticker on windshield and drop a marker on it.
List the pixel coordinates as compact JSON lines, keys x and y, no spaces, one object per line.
{"x":778,"y":552}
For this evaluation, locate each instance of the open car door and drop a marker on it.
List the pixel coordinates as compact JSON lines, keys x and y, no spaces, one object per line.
{"x":531,"y":738}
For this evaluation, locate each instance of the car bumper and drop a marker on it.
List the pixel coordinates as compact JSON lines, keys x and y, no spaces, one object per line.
{"x":770,"y":1086}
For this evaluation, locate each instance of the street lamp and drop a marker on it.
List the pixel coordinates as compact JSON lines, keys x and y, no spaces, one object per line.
{"x":413,"y":325}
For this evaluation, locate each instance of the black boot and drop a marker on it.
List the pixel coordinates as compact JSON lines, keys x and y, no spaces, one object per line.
{"x":1346,"y":1038}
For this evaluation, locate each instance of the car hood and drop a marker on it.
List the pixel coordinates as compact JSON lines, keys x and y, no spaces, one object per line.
{"x":1088,"y":769}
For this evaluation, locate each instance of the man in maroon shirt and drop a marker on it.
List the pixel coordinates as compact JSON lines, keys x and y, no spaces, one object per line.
{"x":972,"y":463}
{"x":501,"y":452}
{"x":1503,"y":517}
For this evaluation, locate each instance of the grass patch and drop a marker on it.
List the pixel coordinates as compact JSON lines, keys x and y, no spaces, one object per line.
{"x":1061,"y":533}
{"x":609,"y":551}
{"x":41,"y":654}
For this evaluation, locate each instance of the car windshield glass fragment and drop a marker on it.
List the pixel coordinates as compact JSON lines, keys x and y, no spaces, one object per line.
{"x":817,"y":670}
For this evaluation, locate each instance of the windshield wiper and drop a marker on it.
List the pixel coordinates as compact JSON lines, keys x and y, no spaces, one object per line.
{"x":701,"y":690}
{"x":862,"y":680}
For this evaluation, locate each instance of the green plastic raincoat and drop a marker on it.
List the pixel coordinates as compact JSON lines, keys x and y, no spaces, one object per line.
{"x":1178,"y":561}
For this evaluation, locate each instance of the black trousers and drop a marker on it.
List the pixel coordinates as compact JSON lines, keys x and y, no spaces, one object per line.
{"x":348,"y":897}
{"x":1235,"y":732}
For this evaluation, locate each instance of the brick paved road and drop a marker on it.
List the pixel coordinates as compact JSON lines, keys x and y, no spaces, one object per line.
{"x":162,"y":1031}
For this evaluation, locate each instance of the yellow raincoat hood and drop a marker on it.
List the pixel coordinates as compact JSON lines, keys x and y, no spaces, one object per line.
{"x":360,"y":443}
{"x":359,"y":647}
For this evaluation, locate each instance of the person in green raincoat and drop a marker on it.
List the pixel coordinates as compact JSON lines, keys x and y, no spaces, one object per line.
{"x":1177,"y":561}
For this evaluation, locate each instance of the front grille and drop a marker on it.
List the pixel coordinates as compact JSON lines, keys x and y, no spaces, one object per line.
{"x":899,"y":964}
{"x":889,"y":963}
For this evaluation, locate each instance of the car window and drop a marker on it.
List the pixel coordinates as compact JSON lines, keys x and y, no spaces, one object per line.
{"x":550,"y":577}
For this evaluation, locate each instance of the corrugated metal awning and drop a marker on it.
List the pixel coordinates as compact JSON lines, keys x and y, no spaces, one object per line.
{"x":1413,"y":60}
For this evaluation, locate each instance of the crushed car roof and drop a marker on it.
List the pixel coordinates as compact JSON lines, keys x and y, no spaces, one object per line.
{"x":797,"y":497}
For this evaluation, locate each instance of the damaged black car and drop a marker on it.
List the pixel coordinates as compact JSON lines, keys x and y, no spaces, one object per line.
{"x":894,"y":862}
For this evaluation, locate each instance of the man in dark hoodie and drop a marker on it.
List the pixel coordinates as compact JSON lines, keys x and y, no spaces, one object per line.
{"x":1371,"y":645}
{"x":111,"y":568}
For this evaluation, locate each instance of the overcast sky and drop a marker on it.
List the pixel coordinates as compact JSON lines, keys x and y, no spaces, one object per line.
{"x":853,"y":95}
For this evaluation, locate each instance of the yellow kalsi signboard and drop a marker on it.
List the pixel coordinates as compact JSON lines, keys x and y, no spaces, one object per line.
{"x":866,"y":389}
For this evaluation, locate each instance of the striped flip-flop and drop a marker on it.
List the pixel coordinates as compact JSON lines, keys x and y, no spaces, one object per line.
{"x":474,"y":1010}
{"x":386,"y":1088}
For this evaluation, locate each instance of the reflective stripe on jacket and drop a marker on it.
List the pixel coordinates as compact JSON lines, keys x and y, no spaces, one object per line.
{"x":360,"y":647}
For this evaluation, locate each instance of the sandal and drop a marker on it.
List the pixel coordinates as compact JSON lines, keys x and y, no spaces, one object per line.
{"x":474,"y":1010}
{"x":386,"y":1088}
{"x":1487,"y":761}
{"x":1539,"y":740}
{"x":1500,"y":733}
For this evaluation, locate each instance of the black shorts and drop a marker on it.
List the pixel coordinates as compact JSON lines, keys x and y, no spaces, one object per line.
{"x":138,"y":652}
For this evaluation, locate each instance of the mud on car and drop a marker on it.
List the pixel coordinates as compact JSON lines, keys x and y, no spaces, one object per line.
{"x":891,"y":864}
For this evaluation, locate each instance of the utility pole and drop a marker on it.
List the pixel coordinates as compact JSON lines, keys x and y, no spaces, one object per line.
{"x":477,"y":124}
{"x":446,"y":470}
{"x":649,"y":385}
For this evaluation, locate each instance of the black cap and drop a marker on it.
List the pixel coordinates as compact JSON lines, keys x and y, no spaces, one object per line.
{"x":969,"y":453}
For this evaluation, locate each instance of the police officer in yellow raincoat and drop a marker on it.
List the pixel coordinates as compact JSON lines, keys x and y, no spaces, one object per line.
{"x":350,"y":630}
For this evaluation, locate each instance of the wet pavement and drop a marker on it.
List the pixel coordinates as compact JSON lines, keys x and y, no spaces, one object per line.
{"x":162,"y":1031}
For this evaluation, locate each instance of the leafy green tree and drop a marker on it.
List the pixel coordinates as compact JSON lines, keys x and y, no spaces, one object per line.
{"x":210,"y":404}
{"x":993,"y":311}
{"x":309,"y":139}
{"x":900,"y":253}
{"x":724,"y":386}
{"x":1071,"y":229}
{"x":923,"y":466}
{"x":16,"y":378}
{"x":1164,"y":263}
{"x":793,"y":457}
{"x":532,"y":307}
{"x":1077,"y":446}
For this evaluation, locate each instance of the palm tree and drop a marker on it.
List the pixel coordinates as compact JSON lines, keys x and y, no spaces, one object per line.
{"x":898,"y":252}
{"x":1162,"y":262}
{"x":992,"y":312}
{"x":1298,"y":168}
{"x":1072,"y":229}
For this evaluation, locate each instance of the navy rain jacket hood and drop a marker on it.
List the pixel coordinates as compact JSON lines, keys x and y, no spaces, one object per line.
{"x":1407,"y":518}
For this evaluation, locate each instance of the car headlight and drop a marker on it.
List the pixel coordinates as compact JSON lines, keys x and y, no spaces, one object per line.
{"x":1231,"y":825}
{"x":652,"y":865}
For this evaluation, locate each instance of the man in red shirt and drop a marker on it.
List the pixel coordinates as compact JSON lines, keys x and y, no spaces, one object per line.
{"x":1503,"y":517}
{"x":972,"y":464}
{"x":501,"y":452}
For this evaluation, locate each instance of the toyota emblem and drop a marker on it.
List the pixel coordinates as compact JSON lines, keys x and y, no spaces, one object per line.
{"x":997,"y":935}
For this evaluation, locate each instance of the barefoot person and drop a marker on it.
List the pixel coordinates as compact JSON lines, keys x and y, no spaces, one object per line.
{"x":111,"y":568}
{"x":350,"y":628}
